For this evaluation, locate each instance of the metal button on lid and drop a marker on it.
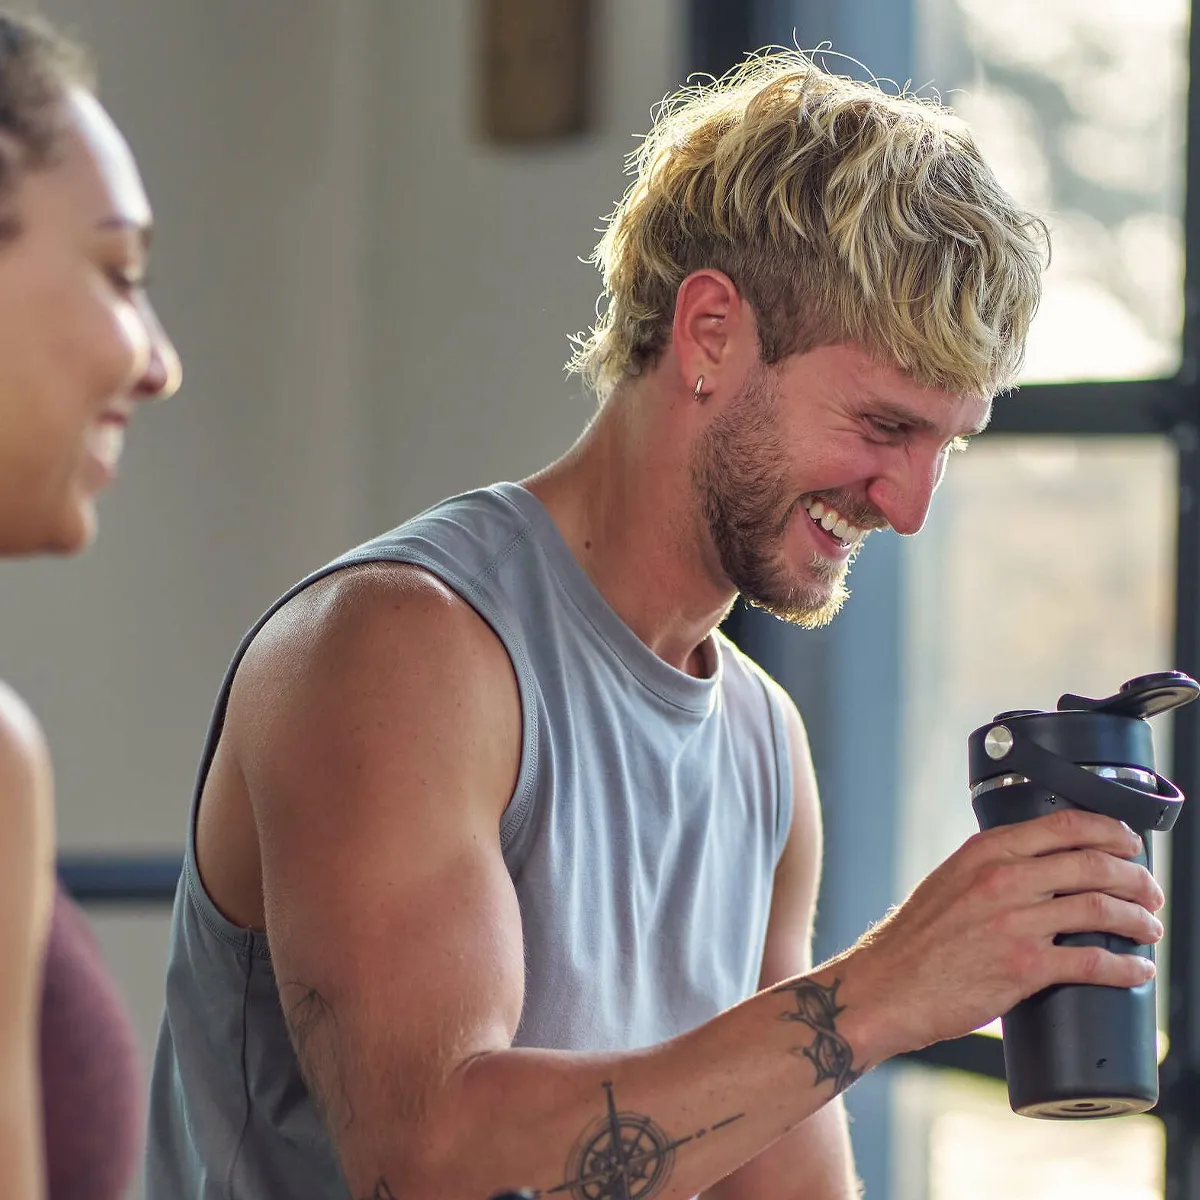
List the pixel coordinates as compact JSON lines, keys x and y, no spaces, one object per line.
{"x":998,"y":741}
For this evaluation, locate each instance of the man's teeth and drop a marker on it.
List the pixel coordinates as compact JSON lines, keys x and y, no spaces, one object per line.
{"x":832,"y":521}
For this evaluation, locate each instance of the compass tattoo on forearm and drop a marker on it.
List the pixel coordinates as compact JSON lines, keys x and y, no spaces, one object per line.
{"x":624,"y":1156}
{"x":829,"y":1052}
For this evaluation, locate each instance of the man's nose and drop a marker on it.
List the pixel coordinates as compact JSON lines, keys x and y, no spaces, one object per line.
{"x":904,"y":495}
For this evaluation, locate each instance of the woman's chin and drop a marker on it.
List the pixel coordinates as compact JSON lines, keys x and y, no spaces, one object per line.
{"x":78,"y":532}
{"x":71,"y":532}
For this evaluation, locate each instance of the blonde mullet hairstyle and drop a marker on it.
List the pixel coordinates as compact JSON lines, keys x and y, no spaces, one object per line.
{"x":842,"y":213}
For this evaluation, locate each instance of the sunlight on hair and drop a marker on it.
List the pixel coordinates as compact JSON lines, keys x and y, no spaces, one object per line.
{"x":842,"y":212}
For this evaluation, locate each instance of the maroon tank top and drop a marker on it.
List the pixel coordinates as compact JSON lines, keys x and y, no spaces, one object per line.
{"x":91,"y":1078}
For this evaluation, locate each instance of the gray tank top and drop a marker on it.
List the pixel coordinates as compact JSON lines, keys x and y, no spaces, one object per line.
{"x":642,"y":836}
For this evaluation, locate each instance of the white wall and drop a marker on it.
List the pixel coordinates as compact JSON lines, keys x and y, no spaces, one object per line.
{"x":372,"y":309}
{"x":477,"y":280}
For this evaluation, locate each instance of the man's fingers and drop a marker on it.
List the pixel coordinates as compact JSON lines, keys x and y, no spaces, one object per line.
{"x":1091,"y":964}
{"x":1067,"y":829}
{"x":1091,"y":870}
{"x":1096,"y":912}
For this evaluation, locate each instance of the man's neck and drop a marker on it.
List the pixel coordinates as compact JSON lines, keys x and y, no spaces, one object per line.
{"x":623,"y":500}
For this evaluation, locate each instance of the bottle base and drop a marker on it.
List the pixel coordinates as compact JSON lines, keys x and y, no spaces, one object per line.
{"x":1080,"y":1109}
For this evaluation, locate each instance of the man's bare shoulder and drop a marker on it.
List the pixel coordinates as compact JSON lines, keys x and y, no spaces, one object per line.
{"x":380,"y":661}
{"x":378,"y":616}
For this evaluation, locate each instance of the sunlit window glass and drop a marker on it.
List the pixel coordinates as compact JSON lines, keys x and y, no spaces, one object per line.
{"x":957,"y":1138}
{"x":1047,"y":566}
{"x":1080,"y":105}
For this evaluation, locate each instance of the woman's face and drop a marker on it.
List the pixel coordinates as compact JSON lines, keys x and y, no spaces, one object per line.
{"x":80,"y":345}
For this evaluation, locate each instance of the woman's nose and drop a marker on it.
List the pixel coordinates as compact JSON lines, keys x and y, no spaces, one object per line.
{"x":163,"y":372}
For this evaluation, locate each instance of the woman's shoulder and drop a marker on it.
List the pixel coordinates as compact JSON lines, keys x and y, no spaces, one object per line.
{"x":26,"y":896}
{"x":24,"y":759}
{"x":26,"y":826}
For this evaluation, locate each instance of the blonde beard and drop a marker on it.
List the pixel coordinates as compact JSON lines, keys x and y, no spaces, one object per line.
{"x":803,"y":606}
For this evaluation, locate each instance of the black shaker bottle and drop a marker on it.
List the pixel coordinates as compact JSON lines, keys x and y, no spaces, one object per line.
{"x":1082,"y":1050}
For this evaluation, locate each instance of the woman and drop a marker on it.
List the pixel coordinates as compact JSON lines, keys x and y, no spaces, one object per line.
{"x":80,"y":347}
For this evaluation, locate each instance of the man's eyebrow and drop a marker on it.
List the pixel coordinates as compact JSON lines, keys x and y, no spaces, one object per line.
{"x":903,"y":416}
{"x":922,"y":424}
{"x":142,"y":228}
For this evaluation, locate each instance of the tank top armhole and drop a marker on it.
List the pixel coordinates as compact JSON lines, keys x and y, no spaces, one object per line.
{"x":191,"y":889}
{"x":783,"y":767}
{"x":516,"y":813}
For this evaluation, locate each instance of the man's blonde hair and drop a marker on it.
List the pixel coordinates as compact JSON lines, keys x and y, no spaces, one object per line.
{"x":841,"y":212}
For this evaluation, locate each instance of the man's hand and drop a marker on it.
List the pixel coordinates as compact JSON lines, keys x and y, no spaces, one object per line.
{"x":977,"y":935}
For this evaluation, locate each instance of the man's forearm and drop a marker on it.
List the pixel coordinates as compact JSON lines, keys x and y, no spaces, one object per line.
{"x":668,"y":1122}
{"x":813,"y":1162}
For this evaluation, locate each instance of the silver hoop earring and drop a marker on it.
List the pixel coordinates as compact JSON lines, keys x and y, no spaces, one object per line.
{"x":699,"y":384}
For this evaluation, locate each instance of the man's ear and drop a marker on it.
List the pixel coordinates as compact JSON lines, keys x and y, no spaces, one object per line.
{"x":712,"y":327}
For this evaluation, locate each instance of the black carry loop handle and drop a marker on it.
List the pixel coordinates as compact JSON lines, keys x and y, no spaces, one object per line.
{"x":1139,"y":810}
{"x":1145,"y":696}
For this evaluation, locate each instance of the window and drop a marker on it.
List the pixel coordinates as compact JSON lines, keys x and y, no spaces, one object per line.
{"x":960,"y":1139}
{"x":1047,"y":565}
{"x":1079,"y":106}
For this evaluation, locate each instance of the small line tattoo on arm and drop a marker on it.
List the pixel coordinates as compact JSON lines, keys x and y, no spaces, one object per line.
{"x":312,"y":1024}
{"x":830,"y":1054}
{"x":727,"y":1121}
{"x":381,"y":1191}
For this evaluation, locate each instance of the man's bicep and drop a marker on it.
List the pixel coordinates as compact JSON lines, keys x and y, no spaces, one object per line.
{"x":379,"y":756}
{"x":384,"y":1001}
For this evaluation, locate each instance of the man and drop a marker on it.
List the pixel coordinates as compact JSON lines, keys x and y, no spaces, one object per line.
{"x":534,"y":850}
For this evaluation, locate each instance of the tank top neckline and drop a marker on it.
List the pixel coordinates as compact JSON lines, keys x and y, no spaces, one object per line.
{"x":672,"y":685}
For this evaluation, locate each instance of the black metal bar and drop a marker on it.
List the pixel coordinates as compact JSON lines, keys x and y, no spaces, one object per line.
{"x":977,"y":1053}
{"x":1085,"y":409}
{"x":720,"y":34}
{"x":1181,"y":1069}
{"x":108,"y":879}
